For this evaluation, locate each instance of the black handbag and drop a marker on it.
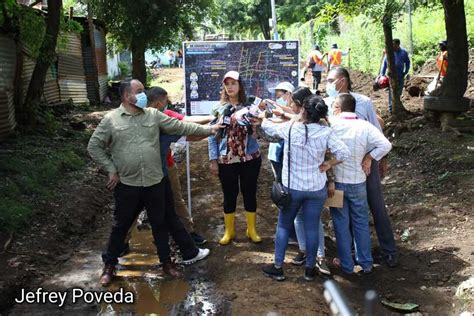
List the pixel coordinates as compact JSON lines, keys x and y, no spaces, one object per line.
{"x":280,"y":195}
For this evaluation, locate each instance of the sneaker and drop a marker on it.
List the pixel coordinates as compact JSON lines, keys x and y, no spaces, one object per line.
{"x":309,"y":274}
{"x":273,"y":272}
{"x":203,"y":253}
{"x":198,"y":239}
{"x":323,"y":266}
{"x":299,"y":259}
{"x":391,"y":260}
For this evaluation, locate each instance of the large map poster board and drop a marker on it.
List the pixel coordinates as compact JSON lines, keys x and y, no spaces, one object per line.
{"x":261,"y":64}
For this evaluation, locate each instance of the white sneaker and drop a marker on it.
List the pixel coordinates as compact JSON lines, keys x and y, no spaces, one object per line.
{"x":203,"y":253}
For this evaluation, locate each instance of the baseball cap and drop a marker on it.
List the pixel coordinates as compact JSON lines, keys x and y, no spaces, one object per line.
{"x":285,"y":86}
{"x":231,"y":74}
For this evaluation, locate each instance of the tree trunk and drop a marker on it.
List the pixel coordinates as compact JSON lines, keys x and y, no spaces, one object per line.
{"x":398,"y":110}
{"x":264,"y":27}
{"x":95,"y":76}
{"x":138,"y":61}
{"x":455,"y":82}
{"x":47,"y":55}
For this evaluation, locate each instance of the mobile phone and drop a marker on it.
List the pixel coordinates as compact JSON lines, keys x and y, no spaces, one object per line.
{"x":257,"y":101}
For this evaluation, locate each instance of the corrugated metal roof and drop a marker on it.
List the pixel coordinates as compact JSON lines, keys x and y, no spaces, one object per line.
{"x":7,"y":75}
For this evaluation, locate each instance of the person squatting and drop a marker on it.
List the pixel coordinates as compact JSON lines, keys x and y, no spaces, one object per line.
{"x":317,"y":146}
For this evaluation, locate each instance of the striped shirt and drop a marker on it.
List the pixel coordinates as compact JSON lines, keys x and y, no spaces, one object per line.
{"x":361,"y":137}
{"x":365,"y":109}
{"x":306,"y":155}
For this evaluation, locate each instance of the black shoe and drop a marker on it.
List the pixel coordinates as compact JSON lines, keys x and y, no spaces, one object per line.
{"x":391,"y":260}
{"x":299,"y":259}
{"x":125,"y":250}
{"x":198,"y":239}
{"x":275,"y":273}
{"x":323,"y":266}
{"x":309,"y":274}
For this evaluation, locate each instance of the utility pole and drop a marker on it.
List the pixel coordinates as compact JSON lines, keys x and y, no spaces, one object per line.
{"x":410,"y":27}
{"x":274,"y":20}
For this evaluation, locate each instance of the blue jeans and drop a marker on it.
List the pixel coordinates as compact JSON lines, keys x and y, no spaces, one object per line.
{"x":354,"y":214}
{"x":311,"y":204}
{"x":300,"y":234}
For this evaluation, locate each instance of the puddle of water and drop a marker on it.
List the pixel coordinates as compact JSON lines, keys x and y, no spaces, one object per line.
{"x":154,"y":295}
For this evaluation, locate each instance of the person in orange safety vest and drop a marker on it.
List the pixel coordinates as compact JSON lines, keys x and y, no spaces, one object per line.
{"x":315,"y":63}
{"x":335,"y":56}
{"x":442,"y":60}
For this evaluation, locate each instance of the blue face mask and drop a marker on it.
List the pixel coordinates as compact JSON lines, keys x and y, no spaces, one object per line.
{"x":142,"y":100}
{"x":331,"y":89}
{"x":282,"y":102}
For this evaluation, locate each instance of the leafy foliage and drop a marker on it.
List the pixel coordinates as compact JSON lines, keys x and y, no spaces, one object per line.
{"x":244,"y":16}
{"x":154,"y":24}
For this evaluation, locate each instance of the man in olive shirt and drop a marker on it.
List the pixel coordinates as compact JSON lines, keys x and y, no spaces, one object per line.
{"x":132,"y":134}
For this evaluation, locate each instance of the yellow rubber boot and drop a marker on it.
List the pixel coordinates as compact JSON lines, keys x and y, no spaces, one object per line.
{"x":251,"y":226}
{"x":229,"y":232}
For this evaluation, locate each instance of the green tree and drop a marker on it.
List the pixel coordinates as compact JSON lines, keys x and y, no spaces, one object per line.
{"x":244,"y":16}
{"x":385,"y":12}
{"x":455,"y":83}
{"x":47,"y":54}
{"x":147,"y":24}
{"x":295,"y":11}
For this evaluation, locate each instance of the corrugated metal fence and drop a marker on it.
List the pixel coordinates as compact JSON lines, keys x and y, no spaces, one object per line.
{"x":71,"y":77}
{"x":7,"y":75}
{"x":68,"y":78}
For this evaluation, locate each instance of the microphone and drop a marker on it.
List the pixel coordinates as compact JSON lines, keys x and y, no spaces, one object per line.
{"x":226,"y":120}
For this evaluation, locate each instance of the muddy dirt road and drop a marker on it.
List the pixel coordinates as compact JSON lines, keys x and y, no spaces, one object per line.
{"x":429,"y":193}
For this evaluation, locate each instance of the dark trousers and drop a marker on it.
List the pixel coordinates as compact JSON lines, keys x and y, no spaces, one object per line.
{"x":245,"y":174}
{"x":159,"y":203}
{"x":383,"y":226}
{"x":316,"y":79}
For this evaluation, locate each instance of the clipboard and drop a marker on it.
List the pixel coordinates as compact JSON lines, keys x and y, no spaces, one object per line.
{"x":336,"y":201}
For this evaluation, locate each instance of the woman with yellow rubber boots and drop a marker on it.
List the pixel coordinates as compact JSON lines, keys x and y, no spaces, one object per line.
{"x":235,"y":157}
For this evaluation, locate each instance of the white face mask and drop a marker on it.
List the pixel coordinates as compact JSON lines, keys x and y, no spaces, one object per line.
{"x":331,"y":89}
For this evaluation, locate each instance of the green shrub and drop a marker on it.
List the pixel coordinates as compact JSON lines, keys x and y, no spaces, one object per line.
{"x":124,"y":69}
{"x":32,"y":171}
{"x":14,"y":214}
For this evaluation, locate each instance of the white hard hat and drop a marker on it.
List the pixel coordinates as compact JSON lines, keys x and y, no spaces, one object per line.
{"x":285,"y":86}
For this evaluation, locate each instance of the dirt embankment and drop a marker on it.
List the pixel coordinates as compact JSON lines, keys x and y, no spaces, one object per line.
{"x":75,"y":208}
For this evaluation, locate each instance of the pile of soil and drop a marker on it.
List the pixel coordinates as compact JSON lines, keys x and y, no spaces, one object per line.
{"x":421,"y":78}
